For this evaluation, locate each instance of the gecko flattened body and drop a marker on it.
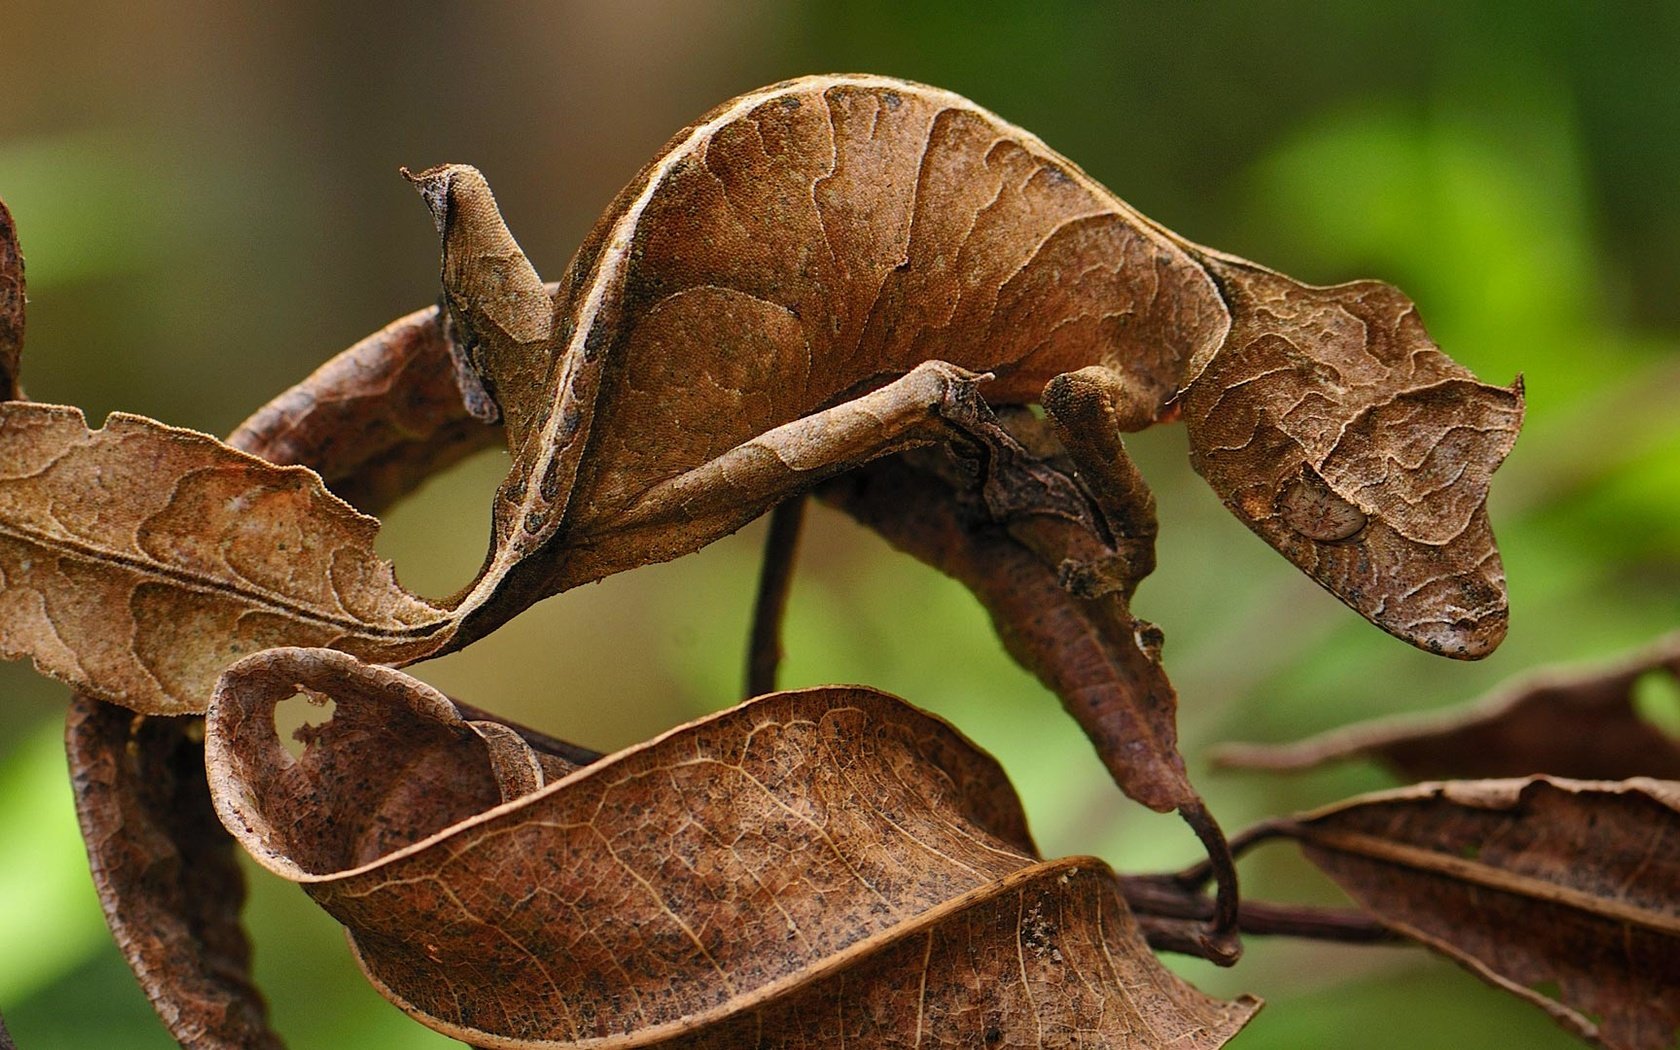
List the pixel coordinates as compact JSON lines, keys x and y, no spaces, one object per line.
{"x":818,"y":245}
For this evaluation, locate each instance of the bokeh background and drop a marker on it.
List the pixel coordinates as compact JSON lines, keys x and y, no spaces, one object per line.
{"x":208,"y":200}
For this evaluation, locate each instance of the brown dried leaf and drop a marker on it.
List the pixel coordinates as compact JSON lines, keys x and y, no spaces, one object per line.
{"x":138,"y":560}
{"x":759,"y":308}
{"x":812,"y":276}
{"x":1571,"y":723}
{"x":1564,"y":892}
{"x":376,"y":420}
{"x":12,"y":303}
{"x":162,"y":863}
{"x":167,"y":873}
{"x":1101,"y":662}
{"x":808,"y":866}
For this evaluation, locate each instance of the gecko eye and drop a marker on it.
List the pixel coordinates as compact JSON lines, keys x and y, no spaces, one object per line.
{"x":1309,"y":507}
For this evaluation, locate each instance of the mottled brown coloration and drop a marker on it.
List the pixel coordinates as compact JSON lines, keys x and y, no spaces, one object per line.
{"x":167,"y":873}
{"x":376,"y":420}
{"x":12,"y":307}
{"x":820,"y":238}
{"x":1103,"y":663}
{"x":811,"y":276}
{"x":1326,"y":406}
{"x":767,"y":865}
{"x":1055,"y":582}
{"x":138,"y":560}
{"x":1568,"y":723}
{"x":1564,"y":892}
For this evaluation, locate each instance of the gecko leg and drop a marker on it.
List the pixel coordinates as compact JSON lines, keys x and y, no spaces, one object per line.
{"x":933,"y":402}
{"x":1088,"y":410}
{"x":1065,"y":490}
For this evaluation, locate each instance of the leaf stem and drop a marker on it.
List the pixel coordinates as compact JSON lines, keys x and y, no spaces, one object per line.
{"x":764,"y":650}
{"x":1222,"y":944}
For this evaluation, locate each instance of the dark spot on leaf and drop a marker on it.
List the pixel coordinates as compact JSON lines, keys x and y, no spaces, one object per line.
{"x":571,"y":418}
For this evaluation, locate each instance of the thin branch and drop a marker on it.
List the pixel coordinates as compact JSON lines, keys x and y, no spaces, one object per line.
{"x":1222,"y":944}
{"x":1197,"y":875}
{"x":764,"y":651}
{"x":1168,"y":907}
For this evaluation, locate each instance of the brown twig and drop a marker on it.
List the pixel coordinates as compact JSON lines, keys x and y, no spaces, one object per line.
{"x":764,"y":651}
{"x":1197,"y":875}
{"x":1221,"y":943}
{"x":1163,"y":906}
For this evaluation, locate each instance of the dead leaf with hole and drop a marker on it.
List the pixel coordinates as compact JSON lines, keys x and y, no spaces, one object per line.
{"x":1563,"y":892}
{"x":806,"y":868}
{"x":1568,"y":723}
{"x":161,"y":862}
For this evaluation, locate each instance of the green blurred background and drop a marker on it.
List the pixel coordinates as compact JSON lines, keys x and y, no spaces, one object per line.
{"x":208,"y":199}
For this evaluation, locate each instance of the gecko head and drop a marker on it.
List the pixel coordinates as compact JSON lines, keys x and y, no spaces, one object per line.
{"x":1333,"y":427}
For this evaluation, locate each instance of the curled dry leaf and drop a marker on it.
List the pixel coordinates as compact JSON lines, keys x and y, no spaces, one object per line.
{"x":165,"y":869}
{"x":376,"y":420}
{"x":12,"y":304}
{"x":1564,"y":892}
{"x":1567,"y":723}
{"x":1102,"y":663}
{"x":161,"y":861}
{"x":167,"y":873}
{"x":807,"y":868}
{"x":809,"y":277}
{"x":139,"y":560}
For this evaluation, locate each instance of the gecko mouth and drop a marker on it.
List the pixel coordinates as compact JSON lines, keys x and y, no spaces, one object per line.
{"x":1470,"y":638}
{"x":1456,"y":607}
